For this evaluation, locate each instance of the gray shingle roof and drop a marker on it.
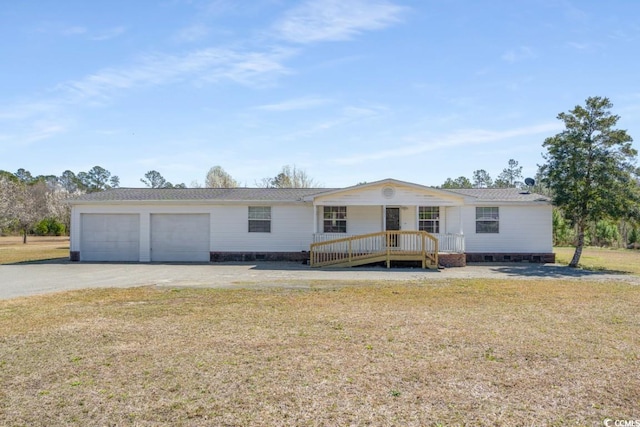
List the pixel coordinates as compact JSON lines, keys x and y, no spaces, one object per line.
{"x":273,"y":194}
{"x":500,"y":194}
{"x":198,"y":194}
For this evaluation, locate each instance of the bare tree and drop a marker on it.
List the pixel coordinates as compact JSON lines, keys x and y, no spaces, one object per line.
{"x":219,"y":178}
{"x":289,"y":177}
{"x":25,"y":204}
{"x":6,"y":195}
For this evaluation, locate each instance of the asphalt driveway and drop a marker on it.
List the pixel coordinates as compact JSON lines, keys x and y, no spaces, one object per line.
{"x":37,"y":278}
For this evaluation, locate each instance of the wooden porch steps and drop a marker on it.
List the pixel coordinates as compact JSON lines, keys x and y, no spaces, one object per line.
{"x":385,"y":246}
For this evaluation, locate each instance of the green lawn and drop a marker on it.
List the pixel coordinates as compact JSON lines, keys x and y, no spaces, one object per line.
{"x":12,"y":250}
{"x":621,"y":260}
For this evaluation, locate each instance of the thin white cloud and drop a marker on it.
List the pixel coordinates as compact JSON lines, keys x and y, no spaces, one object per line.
{"x":192,"y":33}
{"x":348,"y":115}
{"x":108,"y":34}
{"x":61,"y":29}
{"x":73,"y":31}
{"x":56,"y":28}
{"x":332,"y":20}
{"x":625,"y":34}
{"x":579,"y":46}
{"x":456,"y":139}
{"x":34,"y":121}
{"x":219,"y":7}
{"x":203,"y":66}
{"x":45,"y":131}
{"x":520,"y":54}
{"x":26,"y":110}
{"x":295,"y":104}
{"x":39,"y":130}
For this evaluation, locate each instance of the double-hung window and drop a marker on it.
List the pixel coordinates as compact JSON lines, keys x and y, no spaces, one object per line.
{"x":259,"y":219}
{"x":487,"y":220}
{"x":335,"y":219}
{"x":429,"y":219}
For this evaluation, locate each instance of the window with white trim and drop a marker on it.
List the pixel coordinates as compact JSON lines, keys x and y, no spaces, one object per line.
{"x":335,"y":219}
{"x":259,"y":219}
{"x":429,"y":219}
{"x":487,"y":220}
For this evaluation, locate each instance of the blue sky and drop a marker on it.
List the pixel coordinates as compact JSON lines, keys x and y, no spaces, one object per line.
{"x":348,"y":90}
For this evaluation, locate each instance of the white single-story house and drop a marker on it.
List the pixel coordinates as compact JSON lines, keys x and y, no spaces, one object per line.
{"x":339,"y":226}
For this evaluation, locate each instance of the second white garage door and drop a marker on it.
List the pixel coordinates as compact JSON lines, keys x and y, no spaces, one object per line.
{"x":178,"y":237}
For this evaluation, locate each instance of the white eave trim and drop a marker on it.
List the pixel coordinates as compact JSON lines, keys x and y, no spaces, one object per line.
{"x":185,"y":202}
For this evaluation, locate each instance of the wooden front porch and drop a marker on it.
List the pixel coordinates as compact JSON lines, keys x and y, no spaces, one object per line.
{"x":384,"y":246}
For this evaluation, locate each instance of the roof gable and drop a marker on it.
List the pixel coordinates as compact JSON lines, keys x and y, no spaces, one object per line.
{"x":388,"y":192}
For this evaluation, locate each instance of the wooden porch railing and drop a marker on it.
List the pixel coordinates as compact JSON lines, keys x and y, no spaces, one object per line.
{"x":370,"y":248}
{"x":447,"y":242}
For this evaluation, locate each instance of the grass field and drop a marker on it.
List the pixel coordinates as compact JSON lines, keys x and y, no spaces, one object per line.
{"x":459,"y":352}
{"x":620,"y":260}
{"x":467,"y":352}
{"x":12,"y":250}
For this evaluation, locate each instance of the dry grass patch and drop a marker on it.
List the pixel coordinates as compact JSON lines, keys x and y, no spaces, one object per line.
{"x":473,"y":352}
{"x":12,"y":250}
{"x":622,"y":260}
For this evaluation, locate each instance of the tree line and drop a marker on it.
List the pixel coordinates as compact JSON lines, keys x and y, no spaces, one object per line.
{"x":510,"y":177}
{"x":36,"y":204}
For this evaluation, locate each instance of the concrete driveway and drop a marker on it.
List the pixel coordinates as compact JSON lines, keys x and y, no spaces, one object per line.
{"x":44,"y":277}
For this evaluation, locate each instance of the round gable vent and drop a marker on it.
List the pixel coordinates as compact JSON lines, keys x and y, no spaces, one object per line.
{"x":388,"y":192}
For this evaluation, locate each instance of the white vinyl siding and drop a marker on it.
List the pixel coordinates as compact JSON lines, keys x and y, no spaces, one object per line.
{"x":522,"y":229}
{"x":451,"y":220}
{"x":291,"y":230}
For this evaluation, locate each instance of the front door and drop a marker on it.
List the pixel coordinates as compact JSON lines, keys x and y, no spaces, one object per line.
{"x":392,"y":223}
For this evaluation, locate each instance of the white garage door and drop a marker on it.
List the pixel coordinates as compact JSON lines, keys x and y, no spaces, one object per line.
{"x":180,"y":237}
{"x":110,"y":237}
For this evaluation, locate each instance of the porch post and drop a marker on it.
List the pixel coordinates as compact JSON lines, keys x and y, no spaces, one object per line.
{"x":315,"y":219}
{"x":460,"y":219}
